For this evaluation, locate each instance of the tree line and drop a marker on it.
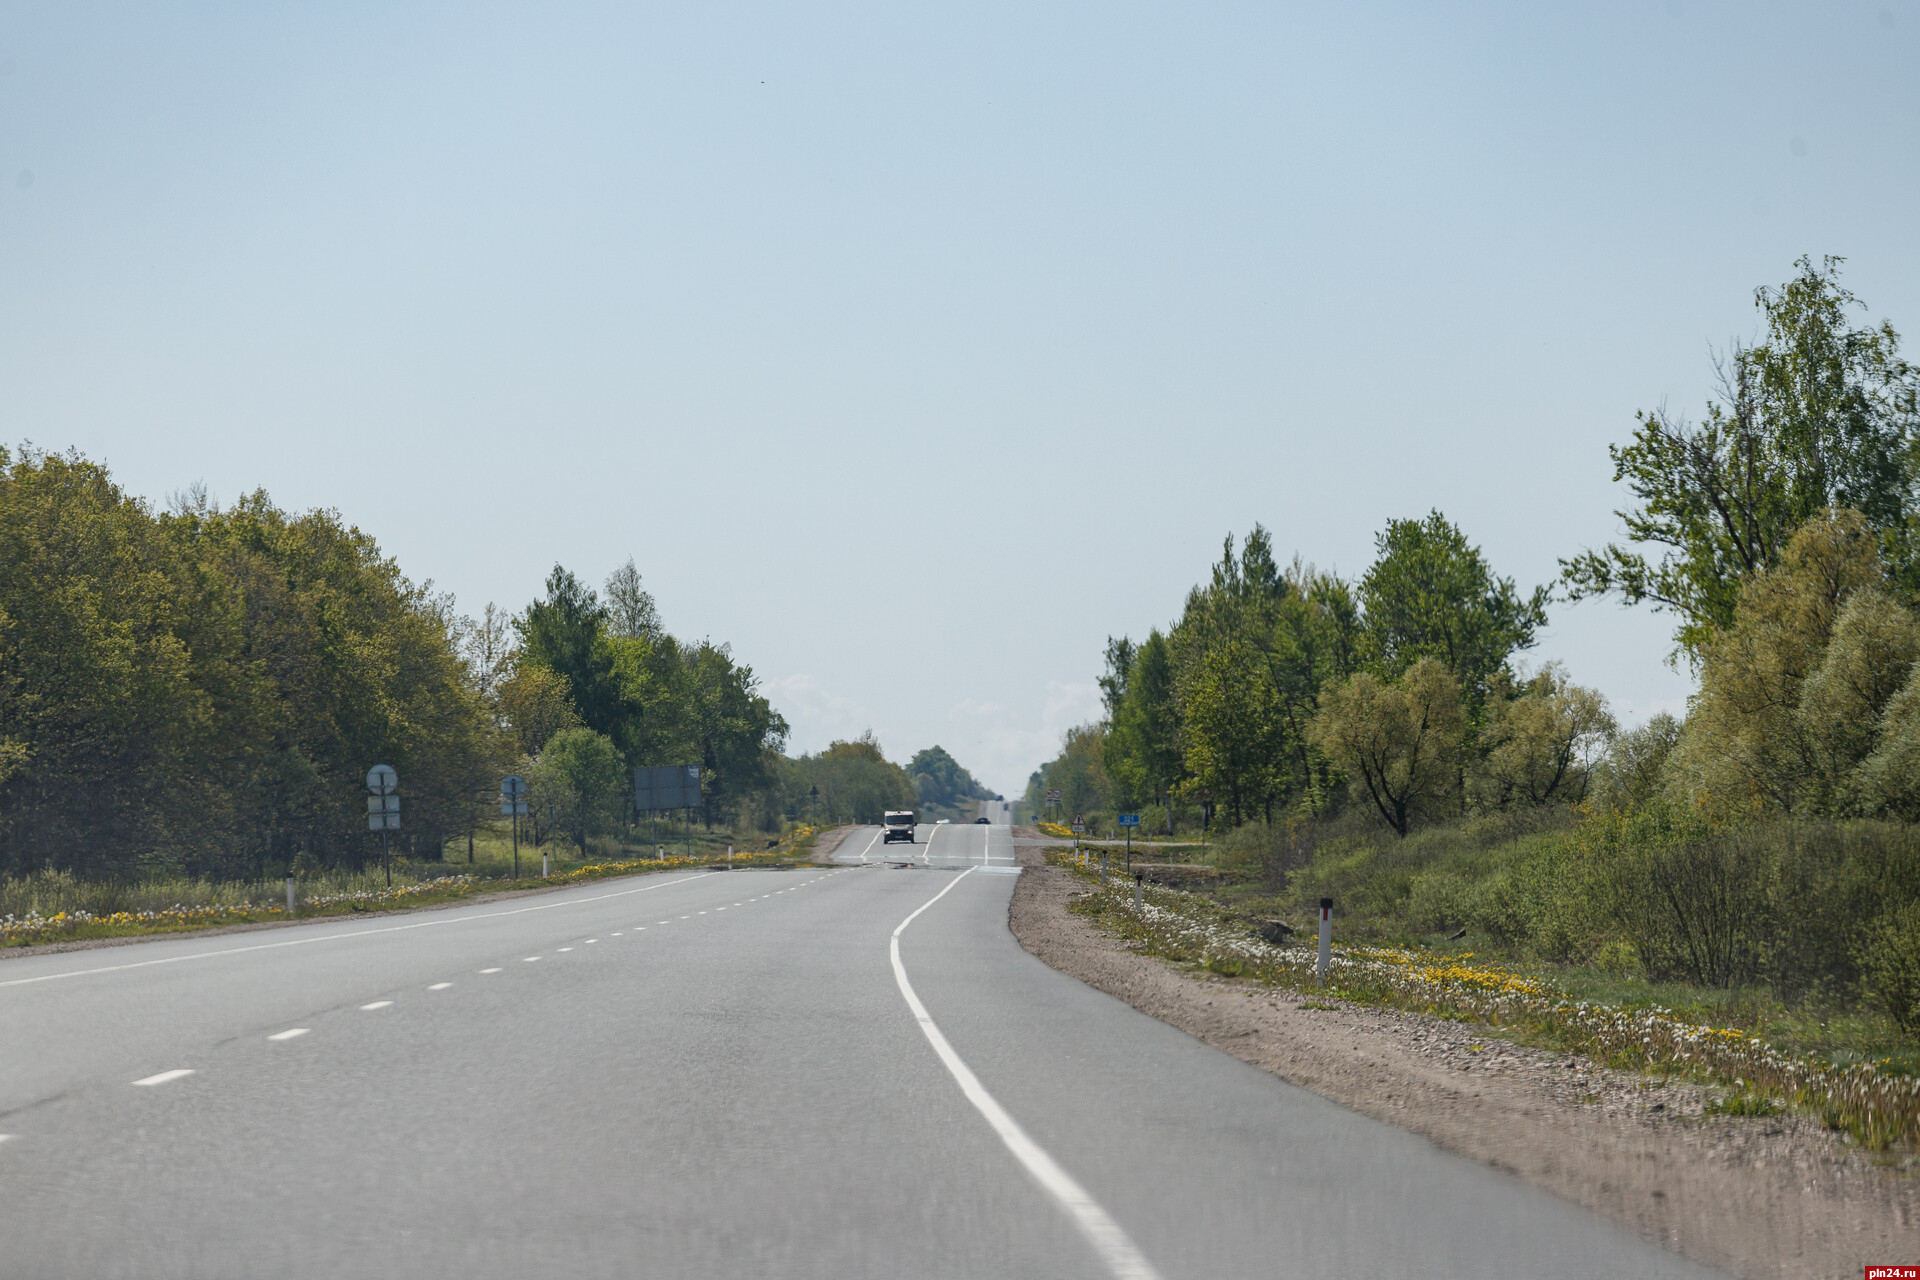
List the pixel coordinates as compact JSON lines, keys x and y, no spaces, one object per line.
{"x":1783,"y":531}
{"x":200,"y":690}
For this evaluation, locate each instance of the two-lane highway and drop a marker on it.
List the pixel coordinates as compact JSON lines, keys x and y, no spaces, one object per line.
{"x":831,"y":1072}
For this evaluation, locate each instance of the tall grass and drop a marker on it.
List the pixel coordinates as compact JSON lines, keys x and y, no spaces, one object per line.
{"x":1808,"y":929}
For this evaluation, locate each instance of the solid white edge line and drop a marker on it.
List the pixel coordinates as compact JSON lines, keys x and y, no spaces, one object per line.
{"x":337,"y":937}
{"x":1121,"y":1256}
{"x":164,"y":1077}
{"x":291,"y":1033}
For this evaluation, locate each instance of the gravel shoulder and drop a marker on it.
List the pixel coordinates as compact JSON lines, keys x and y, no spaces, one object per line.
{"x":1777,"y":1196}
{"x":825,"y":844}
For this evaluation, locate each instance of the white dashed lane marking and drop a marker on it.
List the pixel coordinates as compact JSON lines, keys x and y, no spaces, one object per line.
{"x":440,"y":920}
{"x":164,"y":1077}
{"x":294,"y":1033}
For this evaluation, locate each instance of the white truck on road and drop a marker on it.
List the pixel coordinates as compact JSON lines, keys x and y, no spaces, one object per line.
{"x":898,"y":825}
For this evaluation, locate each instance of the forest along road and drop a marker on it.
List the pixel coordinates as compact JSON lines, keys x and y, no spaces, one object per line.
{"x":754,"y":1074}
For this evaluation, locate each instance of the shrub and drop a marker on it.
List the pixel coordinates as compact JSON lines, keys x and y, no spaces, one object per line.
{"x":1889,"y":958}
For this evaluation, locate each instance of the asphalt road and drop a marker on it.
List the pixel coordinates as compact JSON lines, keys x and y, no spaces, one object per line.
{"x":753,"y":1074}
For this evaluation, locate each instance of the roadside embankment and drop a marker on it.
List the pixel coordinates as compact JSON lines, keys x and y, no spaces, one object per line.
{"x":1761,"y":1196}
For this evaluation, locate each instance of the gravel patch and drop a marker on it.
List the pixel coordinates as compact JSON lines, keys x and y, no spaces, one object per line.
{"x":1760,"y":1196}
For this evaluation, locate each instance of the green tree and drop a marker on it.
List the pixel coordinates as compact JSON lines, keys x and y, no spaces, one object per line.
{"x":1113,"y":685}
{"x":855,"y":780}
{"x":567,"y":634}
{"x":203,"y":690}
{"x":1430,"y":594}
{"x":1540,"y":747}
{"x":1079,"y":772}
{"x":1634,"y":769}
{"x":735,"y":731}
{"x":536,"y":703}
{"x":1142,"y":746}
{"x":631,"y":612}
{"x":1749,"y":745}
{"x":944,"y":788}
{"x":1399,"y":742}
{"x":1233,"y":729}
{"x":581,"y":775}
{"x":1817,"y":415}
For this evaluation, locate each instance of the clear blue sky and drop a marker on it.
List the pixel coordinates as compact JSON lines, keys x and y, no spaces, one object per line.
{"x":916,"y":349}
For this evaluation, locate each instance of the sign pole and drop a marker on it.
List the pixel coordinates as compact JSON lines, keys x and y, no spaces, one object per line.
{"x":383,"y":811}
{"x":513,"y":803}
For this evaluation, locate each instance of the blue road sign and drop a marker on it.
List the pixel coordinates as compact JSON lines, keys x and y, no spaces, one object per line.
{"x":1129,"y":819}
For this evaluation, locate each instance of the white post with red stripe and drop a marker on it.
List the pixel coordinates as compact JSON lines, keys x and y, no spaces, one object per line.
{"x":1326,"y":938}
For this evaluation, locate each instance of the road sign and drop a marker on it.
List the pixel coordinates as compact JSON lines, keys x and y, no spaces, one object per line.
{"x":1053,"y":796}
{"x":513,"y":787}
{"x":513,"y":808}
{"x":1129,"y":819}
{"x":383,"y":809}
{"x":1079,"y":824}
{"x":383,"y":813}
{"x":672,"y":786}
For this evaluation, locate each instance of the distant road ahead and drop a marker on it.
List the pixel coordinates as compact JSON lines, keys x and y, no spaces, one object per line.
{"x":744,"y":1074}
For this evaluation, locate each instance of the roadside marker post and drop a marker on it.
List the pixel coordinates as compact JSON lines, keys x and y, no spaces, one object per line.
{"x":1129,"y":821}
{"x":289,"y":894}
{"x":513,"y":803}
{"x":1103,"y":868}
{"x":1138,"y":876}
{"x":1326,"y":938}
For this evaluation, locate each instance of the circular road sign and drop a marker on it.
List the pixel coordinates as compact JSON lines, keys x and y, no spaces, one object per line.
{"x":382,"y":780}
{"x":513,"y":786}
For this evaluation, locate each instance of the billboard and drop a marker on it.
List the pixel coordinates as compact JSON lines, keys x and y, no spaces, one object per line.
{"x":667,"y":786}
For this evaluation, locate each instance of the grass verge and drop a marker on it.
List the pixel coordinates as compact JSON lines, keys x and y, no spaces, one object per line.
{"x":79,"y":911}
{"x":1877,"y":1107}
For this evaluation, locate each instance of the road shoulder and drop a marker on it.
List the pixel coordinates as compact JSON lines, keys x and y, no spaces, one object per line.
{"x":1759,"y":1196}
